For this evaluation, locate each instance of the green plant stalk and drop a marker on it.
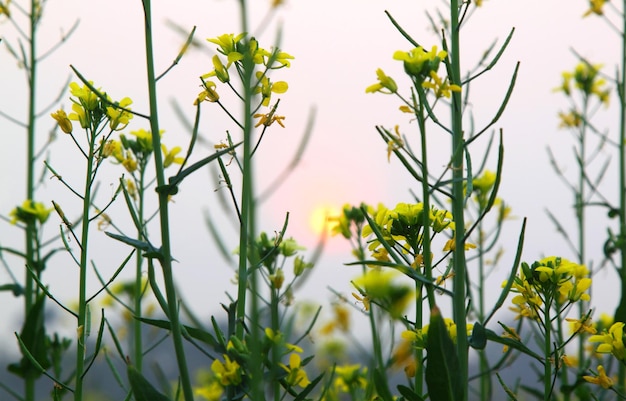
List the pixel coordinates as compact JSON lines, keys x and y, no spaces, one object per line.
{"x":426,"y":248}
{"x":458,"y":210}
{"x":620,"y":314}
{"x":485,"y":380}
{"x":82,"y":323}
{"x":166,"y":252}
{"x":137,"y":326}
{"x":274,"y":302}
{"x":580,"y":221}
{"x":547,"y":350}
{"x":30,"y":290}
{"x":248,"y":253}
{"x":561,"y":340}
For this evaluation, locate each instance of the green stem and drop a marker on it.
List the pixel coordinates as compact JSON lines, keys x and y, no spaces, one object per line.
{"x":485,"y":380}
{"x":458,"y":210}
{"x":84,"y":260}
{"x":166,"y":252}
{"x":580,"y":219}
{"x":426,"y":248}
{"x":30,"y":290}
{"x":547,"y":350}
{"x":620,"y":314}
{"x":274,"y":302}
{"x":248,"y":253}
{"x":138,"y":292}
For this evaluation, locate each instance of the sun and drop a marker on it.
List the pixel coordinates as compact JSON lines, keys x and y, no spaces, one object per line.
{"x":318,"y":220}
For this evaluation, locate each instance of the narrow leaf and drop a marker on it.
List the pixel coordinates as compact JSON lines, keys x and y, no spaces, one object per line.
{"x":442,"y":365}
{"x":142,"y":389}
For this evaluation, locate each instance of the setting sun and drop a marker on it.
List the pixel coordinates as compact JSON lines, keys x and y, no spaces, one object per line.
{"x":318,"y":220}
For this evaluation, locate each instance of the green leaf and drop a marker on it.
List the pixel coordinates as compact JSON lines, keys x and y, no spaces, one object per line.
{"x":149,"y":250}
{"x":142,"y":389}
{"x":510,"y":342}
{"x":442,"y":365}
{"x":409,"y":394}
{"x":381,"y":386}
{"x":478,"y":339}
{"x":193,"y":332}
{"x":33,"y":343}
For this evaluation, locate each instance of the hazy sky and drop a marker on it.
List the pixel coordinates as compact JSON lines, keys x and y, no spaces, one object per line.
{"x":337,"y":45}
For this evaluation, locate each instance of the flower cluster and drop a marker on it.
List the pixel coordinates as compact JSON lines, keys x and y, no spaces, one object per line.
{"x":585,"y":78}
{"x":422,"y":66}
{"x":402,"y":227}
{"x":381,"y":287}
{"x":30,"y":212}
{"x":134,"y":152}
{"x":419,"y":337}
{"x":552,"y":281}
{"x":237,"y":49}
{"x":91,"y":109}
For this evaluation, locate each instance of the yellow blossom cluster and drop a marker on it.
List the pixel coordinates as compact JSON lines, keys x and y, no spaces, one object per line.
{"x":552,"y":281}
{"x":239,"y":50}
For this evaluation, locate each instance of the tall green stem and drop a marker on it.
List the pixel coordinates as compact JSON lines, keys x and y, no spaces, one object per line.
{"x":620,"y":313}
{"x":248,"y":279}
{"x":426,"y":248}
{"x":458,"y":210}
{"x":29,"y":284}
{"x":138,"y":292}
{"x":166,"y":251}
{"x":82,"y":323}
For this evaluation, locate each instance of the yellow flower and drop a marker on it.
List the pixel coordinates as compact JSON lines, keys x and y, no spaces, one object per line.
{"x":450,"y":245}
{"x":439,"y":86}
{"x":84,"y":96}
{"x":268,"y":119}
{"x":4,"y":8}
{"x":419,"y":63}
{"x":208,"y":93}
{"x":611,"y":342}
{"x":169,"y":157}
{"x":228,"y":372}
{"x":64,"y":123}
{"x":118,"y":116}
{"x":601,"y":379}
{"x":385,"y":84}
{"x":595,"y":7}
{"x":350,"y":377}
{"x":210,"y":392}
{"x":265,"y":87}
{"x":395,"y":143}
{"x":296,"y":376}
{"x":80,"y":115}
{"x":228,"y":46}
{"x":281,"y":58}
{"x":30,"y":212}
{"x":129,"y":162}
{"x":219,"y":71}
{"x":113,"y":148}
{"x":582,"y":326}
{"x":570,"y":120}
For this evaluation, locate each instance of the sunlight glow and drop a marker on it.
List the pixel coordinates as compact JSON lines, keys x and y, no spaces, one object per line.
{"x":318,"y":220}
